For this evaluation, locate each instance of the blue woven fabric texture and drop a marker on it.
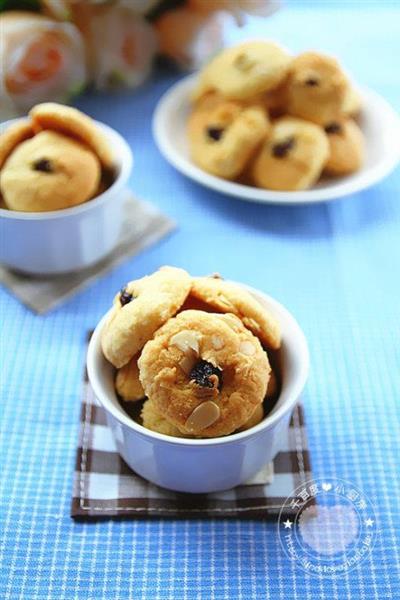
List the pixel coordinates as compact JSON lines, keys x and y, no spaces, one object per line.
{"x":335,"y":266}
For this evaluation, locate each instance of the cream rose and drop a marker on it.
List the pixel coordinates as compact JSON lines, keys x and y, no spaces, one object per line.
{"x":120,"y":44}
{"x":190,"y":37}
{"x":42,"y":59}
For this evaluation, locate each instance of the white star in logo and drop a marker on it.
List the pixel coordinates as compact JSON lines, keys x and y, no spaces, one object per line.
{"x":369,"y":522}
{"x":288,"y":524}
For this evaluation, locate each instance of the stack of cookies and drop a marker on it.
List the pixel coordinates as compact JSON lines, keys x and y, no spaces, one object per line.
{"x":194,"y":353}
{"x":57,"y":158}
{"x":265,"y":118}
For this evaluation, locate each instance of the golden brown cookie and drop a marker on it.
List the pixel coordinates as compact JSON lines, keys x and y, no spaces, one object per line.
{"x":154,"y":421}
{"x":13,"y":136}
{"x":273,"y":386}
{"x":71,"y":121}
{"x":208,"y":102}
{"x":243,"y":71}
{"x":227,"y":297}
{"x":274,"y":101}
{"x":352,"y":103}
{"x":204,"y":376}
{"x":293,"y":156}
{"x":140,"y":309}
{"x":255,"y":418}
{"x":49,"y":172}
{"x":316,"y":88}
{"x":346,"y":147}
{"x":127,"y":382}
{"x":222,"y":140}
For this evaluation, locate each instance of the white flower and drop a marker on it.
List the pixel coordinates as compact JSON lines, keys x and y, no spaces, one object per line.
{"x":141,"y":7}
{"x":190,"y":37}
{"x":41,"y":60}
{"x":120,"y":44}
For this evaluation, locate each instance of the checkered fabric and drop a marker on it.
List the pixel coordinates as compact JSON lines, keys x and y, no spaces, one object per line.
{"x":104,"y":485}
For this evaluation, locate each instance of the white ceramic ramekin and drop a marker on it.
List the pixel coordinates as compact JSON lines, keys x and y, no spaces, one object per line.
{"x":71,"y":239}
{"x":206,"y":465}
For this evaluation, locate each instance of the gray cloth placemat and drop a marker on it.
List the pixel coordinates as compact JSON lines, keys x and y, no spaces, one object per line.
{"x":144,"y":225}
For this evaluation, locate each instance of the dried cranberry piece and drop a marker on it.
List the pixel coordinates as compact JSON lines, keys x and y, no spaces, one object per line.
{"x":125,"y":297}
{"x":202,"y":372}
{"x":215,"y":133}
{"x":44,"y":165}
{"x":281,"y":149}
{"x":333,"y":128}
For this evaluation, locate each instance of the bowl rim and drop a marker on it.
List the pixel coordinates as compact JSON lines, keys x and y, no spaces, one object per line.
{"x":126,"y":163}
{"x":300,"y":348}
{"x":178,"y":94}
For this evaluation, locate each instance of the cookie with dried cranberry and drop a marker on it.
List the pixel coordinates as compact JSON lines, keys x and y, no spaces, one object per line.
{"x":316,"y":88}
{"x":74,"y":123}
{"x":49,"y":172}
{"x":206,"y":373}
{"x":346,"y":147}
{"x":140,"y":308}
{"x":127,"y":382}
{"x":293,"y":156}
{"x":243,"y":71}
{"x":222,"y":140}
{"x":227,"y":297}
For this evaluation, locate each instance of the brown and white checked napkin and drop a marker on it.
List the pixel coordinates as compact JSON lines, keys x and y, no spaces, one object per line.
{"x":104,"y":485}
{"x":144,"y":225}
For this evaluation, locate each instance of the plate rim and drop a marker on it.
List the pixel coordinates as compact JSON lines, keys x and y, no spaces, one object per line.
{"x":181,"y":163}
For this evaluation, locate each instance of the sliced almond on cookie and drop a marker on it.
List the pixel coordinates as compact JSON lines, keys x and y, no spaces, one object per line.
{"x":203,"y":416}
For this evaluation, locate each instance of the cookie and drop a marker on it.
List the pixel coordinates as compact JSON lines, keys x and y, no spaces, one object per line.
{"x":275,"y":100}
{"x":13,"y":136}
{"x":154,"y":421}
{"x":352,"y":102}
{"x":227,"y":297}
{"x":255,"y":418}
{"x":273,"y":386}
{"x":204,"y":377}
{"x":243,"y":71}
{"x":208,"y":102}
{"x":316,"y":88}
{"x":140,"y":308}
{"x":292,"y":157}
{"x":73,"y":122}
{"x":346,"y":147}
{"x":49,"y":172}
{"x":222,"y":140}
{"x":127,"y":382}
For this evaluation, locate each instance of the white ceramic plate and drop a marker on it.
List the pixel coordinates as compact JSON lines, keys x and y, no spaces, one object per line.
{"x":379,"y":122}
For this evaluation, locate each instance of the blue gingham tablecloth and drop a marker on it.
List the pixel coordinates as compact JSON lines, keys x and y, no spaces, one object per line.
{"x":335,"y":266}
